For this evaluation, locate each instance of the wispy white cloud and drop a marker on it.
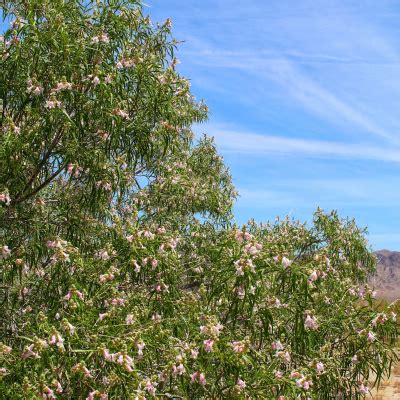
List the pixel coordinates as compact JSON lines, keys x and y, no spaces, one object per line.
{"x":312,"y":95}
{"x":243,"y":142}
{"x":329,"y":192}
{"x":324,"y":102}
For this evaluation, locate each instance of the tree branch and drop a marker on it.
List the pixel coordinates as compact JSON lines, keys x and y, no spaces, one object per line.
{"x":45,"y":158}
{"x":40,"y":187}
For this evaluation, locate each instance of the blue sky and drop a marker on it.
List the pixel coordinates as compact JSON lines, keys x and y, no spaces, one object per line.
{"x":304,"y":101}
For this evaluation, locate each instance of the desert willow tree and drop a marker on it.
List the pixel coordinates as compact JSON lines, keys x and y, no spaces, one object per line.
{"x":122,"y":276}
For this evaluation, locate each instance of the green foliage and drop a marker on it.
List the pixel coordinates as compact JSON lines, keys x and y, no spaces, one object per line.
{"x":122,"y":275}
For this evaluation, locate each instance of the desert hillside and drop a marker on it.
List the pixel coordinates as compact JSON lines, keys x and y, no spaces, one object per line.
{"x":387,"y":278}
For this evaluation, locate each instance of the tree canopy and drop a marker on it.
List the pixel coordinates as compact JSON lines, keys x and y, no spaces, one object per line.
{"x":123,"y":274}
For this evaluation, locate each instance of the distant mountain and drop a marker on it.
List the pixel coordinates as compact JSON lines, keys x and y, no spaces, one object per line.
{"x":387,"y":277}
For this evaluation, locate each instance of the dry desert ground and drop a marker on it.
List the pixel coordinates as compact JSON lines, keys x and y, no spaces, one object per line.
{"x":389,"y":389}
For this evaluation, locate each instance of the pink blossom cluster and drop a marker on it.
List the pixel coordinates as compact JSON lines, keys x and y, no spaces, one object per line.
{"x":198,"y":377}
{"x":102,"y":38}
{"x":81,"y":368}
{"x":5,"y":198}
{"x":73,"y":292}
{"x":34,"y":349}
{"x":310,"y":322}
{"x":120,"y":358}
{"x":33,"y":88}
{"x":5,"y":252}
{"x":301,"y":380}
{"x":74,"y":169}
{"x":241,"y":236}
{"x":244,"y":264}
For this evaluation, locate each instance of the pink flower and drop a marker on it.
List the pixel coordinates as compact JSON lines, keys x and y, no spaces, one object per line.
{"x":96,"y":80}
{"x":240,"y":292}
{"x":239,"y":270}
{"x":137,"y":266}
{"x":295,"y":375}
{"x":277,"y":345}
{"x":68,"y":296}
{"x":104,"y":38}
{"x":244,"y":264}
{"x":202,"y":379}
{"x":208,"y":345}
{"x":4,"y":349}
{"x":156,"y":318}
{"x":363,"y":389}
{"x":381,"y":318}
{"x":311,"y":323}
{"x":198,"y":377}
{"x":238,"y":347}
{"x":121,"y":113}
{"x":194,"y":353}
{"x":300,"y":382}
{"x":178,"y":370}
{"x":284,"y":356}
{"x":320,"y":367}
{"x":117,"y":301}
{"x":140,"y":347}
{"x":313,"y":276}
{"x":354,"y":359}
{"x":150,"y":387}
{"x":106,"y":354}
{"x":37,"y":91}
{"x":286,"y":262}
{"x":92,"y":395}
{"x":278,"y":374}
{"x":62,"y":85}
{"x":53,"y":339}
{"x":253,"y":249}
{"x":241,"y":384}
{"x":29,"y":353}
{"x":102,"y":316}
{"x":50,"y":104}
{"x":102,"y":255}
{"x":371,"y":337}
{"x":5,"y":252}
{"x":52,"y":244}
{"x":78,"y":294}
{"x":129,"y":319}
{"x":161,"y":230}
{"x":59,"y":388}
{"x":307,"y":385}
{"x":239,"y":236}
{"x":148,"y":234}
{"x":48,"y":393}
{"x":5,"y":198}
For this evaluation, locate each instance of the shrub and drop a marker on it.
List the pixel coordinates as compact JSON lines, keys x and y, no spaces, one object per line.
{"x":123,"y":275}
